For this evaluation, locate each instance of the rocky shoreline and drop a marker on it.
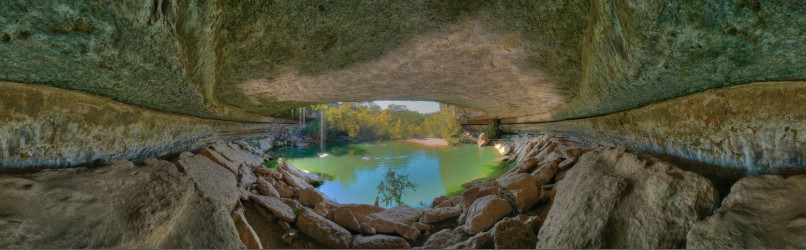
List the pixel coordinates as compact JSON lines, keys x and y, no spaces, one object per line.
{"x":559,"y":194}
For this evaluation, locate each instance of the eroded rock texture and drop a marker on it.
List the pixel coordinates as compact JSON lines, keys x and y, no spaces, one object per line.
{"x":760,"y":212}
{"x":614,"y":199}
{"x":123,"y":205}
{"x":531,"y":61}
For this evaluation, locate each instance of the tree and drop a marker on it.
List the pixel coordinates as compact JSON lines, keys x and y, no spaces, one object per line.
{"x":393,"y":187}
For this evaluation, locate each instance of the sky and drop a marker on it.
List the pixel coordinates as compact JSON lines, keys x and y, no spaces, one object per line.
{"x":419,"y":106}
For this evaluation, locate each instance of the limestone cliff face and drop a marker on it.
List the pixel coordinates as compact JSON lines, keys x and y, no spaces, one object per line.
{"x":754,"y":127}
{"x":42,"y":126}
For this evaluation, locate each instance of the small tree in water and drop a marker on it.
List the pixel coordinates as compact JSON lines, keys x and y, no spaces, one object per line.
{"x":393,"y":187}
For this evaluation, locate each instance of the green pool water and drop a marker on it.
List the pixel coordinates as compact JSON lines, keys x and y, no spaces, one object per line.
{"x":357,"y":168}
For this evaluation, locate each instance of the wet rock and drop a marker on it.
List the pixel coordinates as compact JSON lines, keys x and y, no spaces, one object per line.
{"x":520,"y":190}
{"x":276,"y":206}
{"x":379,"y":242}
{"x":614,"y":199}
{"x":351,"y":216}
{"x":514,"y":233}
{"x":323,"y":230}
{"x":484,"y":213}
{"x":759,"y":212}
{"x":443,"y":239}
{"x":431,"y":215}
{"x":310,"y":197}
{"x":396,"y":220}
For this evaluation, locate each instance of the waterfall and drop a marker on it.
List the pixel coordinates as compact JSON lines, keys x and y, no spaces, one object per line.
{"x":322,"y":131}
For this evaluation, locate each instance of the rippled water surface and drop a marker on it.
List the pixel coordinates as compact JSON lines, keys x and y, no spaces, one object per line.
{"x":358,"y":168}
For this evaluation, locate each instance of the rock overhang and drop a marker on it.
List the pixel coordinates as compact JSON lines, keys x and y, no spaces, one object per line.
{"x":525,"y":62}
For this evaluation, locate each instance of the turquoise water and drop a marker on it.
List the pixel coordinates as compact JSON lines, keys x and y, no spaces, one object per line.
{"x":358,"y":168}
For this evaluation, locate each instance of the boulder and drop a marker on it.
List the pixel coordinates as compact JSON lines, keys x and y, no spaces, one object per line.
{"x":567,"y":163}
{"x":294,"y":180}
{"x":545,"y":173}
{"x":276,"y":206}
{"x":247,"y":177}
{"x":514,"y":233}
{"x":323,"y":230}
{"x":483,"y":140}
{"x":351,"y":216}
{"x":379,"y":242}
{"x":422,"y":227}
{"x":615,"y":199}
{"x":527,"y":166}
{"x":443,"y":239}
{"x":366,"y":229}
{"x":470,"y":195}
{"x":482,"y":240}
{"x":431,"y":215}
{"x":310,"y":197}
{"x":263,"y":170}
{"x":395,"y":220}
{"x":520,"y":190}
{"x":245,"y":231}
{"x":484,"y":213}
{"x":266,"y":188}
{"x":439,"y":199}
{"x":121,"y":205}
{"x":220,"y":159}
{"x":325,"y":208}
{"x":213,"y":180}
{"x":760,"y":212}
{"x":286,"y":192}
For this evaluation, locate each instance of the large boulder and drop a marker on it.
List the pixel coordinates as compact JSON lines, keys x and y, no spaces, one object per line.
{"x":760,"y":212}
{"x":470,"y":195}
{"x":150,"y":205}
{"x":444,"y":239}
{"x":431,"y":215}
{"x":351,"y":216}
{"x":213,"y":180}
{"x":266,"y":188}
{"x":396,"y":220}
{"x":520,"y":190}
{"x":484,"y":213}
{"x":514,"y":233}
{"x":276,"y":206}
{"x":379,"y":242}
{"x":310,"y":197}
{"x":483,"y":240}
{"x":323,"y":230}
{"x":615,"y":199}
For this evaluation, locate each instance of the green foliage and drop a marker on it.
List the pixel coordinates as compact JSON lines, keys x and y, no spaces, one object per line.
{"x":367,"y":121}
{"x":393,"y":187}
{"x":254,"y":144}
{"x":493,"y":131}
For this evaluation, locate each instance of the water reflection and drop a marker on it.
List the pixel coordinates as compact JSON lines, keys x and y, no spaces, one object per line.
{"x":358,"y":168}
